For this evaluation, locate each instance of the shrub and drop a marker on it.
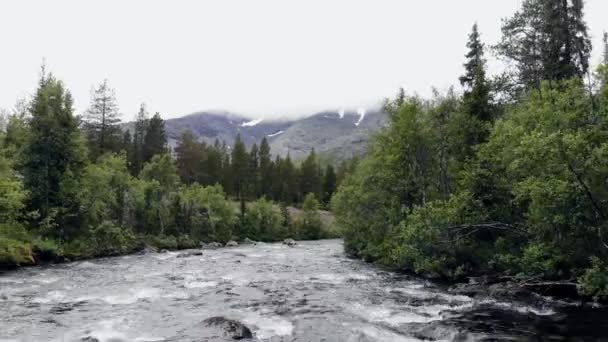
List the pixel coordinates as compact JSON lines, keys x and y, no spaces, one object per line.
{"x":262,"y":222}
{"x":108,"y":239}
{"x":47,"y":249}
{"x":309,"y":225}
{"x":594,"y":281}
{"x":15,"y":253}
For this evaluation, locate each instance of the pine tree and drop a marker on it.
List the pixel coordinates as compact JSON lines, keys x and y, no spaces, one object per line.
{"x":213,"y":167}
{"x":476,"y":97}
{"x":101,"y":122}
{"x":155,"y":141}
{"x":239,"y":165}
{"x":329,"y":184}
{"x":189,"y":158}
{"x":548,"y":40}
{"x":139,"y":135}
{"x":265,"y":169}
{"x":253,"y":176}
{"x":54,"y":158}
{"x":605,"y":48}
{"x":310,"y":180}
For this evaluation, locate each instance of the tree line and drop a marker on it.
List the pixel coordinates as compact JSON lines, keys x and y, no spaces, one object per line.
{"x":506,"y":179}
{"x":74,"y":187}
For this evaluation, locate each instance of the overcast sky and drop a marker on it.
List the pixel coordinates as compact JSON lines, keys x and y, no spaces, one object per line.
{"x":259,"y":58}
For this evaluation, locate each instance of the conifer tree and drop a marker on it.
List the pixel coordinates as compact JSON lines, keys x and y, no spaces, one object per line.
{"x":213,"y":166}
{"x":139,"y":135}
{"x":101,"y":122}
{"x":265,"y":169}
{"x":476,"y":96}
{"x":54,"y":158}
{"x":547,"y":40}
{"x":155,"y":141}
{"x":329,"y":184}
{"x":239,"y":165}
{"x":253,"y":177}
{"x":310,"y":180}
{"x":189,"y":158}
{"x":605,"y":48}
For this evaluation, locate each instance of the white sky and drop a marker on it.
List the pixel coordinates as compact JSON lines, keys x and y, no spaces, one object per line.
{"x":259,"y":58}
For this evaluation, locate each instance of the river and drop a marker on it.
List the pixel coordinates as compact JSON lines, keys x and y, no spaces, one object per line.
{"x":311,"y":292}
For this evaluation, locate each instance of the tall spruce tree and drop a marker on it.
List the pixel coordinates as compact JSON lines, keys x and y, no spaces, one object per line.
{"x":329,"y":184}
{"x":155,"y":141}
{"x":253,"y":177}
{"x":605,"y":48}
{"x":476,"y":96}
{"x":139,"y":136}
{"x":101,"y":122}
{"x":240,"y":166}
{"x":189,"y":158}
{"x":547,"y":40}
{"x":54,"y":158}
{"x":310,"y":180}
{"x":265,"y":169}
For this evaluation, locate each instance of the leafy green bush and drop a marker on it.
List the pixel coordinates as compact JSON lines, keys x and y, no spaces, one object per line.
{"x":309,"y":224}
{"x":168,"y":242}
{"x":15,"y":253}
{"x":594,"y":281}
{"x":262,"y":222}
{"x":108,"y":239}
{"x":47,"y":249}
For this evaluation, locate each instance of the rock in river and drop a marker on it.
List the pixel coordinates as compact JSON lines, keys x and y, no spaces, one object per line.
{"x":190,"y":253}
{"x":290,"y":242}
{"x":224,"y":327}
{"x":211,"y":245}
{"x":232,"y":244}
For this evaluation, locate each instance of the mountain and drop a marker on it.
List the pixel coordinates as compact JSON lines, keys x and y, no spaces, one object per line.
{"x":333,"y":134}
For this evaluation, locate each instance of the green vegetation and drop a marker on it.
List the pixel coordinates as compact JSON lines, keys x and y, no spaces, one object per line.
{"x":494,"y":181}
{"x":72,"y":190}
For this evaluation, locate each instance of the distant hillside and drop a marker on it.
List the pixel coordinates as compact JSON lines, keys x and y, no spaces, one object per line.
{"x":334,"y":135}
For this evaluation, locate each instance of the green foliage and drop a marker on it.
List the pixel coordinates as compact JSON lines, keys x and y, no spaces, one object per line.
{"x":108,"y":239}
{"x":594,"y":282}
{"x":309,"y":225}
{"x":155,"y":140}
{"x":263,"y":222}
{"x":54,"y":157}
{"x":204,"y":213}
{"x":106,"y":191}
{"x":15,"y":253}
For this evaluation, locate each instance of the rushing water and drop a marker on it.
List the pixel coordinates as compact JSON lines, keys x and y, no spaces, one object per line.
{"x":311,"y":292}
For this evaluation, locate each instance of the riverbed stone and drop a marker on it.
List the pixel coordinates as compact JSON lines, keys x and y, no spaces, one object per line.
{"x":248,"y":241}
{"x":232,"y":243}
{"x":225,"y":327}
{"x":190,"y":253}
{"x":290,"y":242}
{"x":211,"y":245}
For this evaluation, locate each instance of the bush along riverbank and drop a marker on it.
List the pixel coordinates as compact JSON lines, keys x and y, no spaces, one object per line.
{"x":462,"y":187}
{"x":263,"y":222}
{"x":72,"y":190}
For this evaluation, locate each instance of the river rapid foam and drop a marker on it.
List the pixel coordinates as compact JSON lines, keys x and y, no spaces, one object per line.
{"x":311,"y":292}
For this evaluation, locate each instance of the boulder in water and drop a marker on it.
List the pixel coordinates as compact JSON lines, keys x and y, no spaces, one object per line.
{"x":248,"y":241}
{"x":228,"y":328}
{"x":232,"y":243}
{"x":148,"y":249}
{"x":211,"y":245}
{"x":190,"y":253}
{"x":290,"y":242}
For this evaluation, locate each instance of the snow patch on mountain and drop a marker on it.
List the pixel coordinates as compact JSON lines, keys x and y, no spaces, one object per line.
{"x":361,"y":112}
{"x":341,"y":113}
{"x":275,"y":134}
{"x":251,"y":123}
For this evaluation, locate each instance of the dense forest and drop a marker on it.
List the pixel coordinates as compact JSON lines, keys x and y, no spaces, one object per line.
{"x":83,"y":186}
{"x":508,"y":178}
